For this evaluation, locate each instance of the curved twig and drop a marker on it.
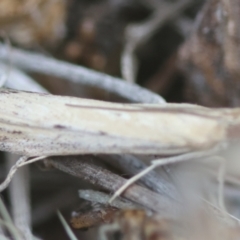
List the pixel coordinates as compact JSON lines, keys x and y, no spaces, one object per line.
{"x":35,"y":62}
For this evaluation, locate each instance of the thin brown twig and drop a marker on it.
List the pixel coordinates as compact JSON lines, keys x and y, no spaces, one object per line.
{"x":103,"y":198}
{"x":82,"y":168}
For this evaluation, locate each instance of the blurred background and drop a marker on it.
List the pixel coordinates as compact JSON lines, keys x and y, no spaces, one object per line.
{"x":183,"y":50}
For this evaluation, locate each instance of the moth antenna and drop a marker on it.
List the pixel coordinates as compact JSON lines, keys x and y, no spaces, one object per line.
{"x":221,"y":210}
{"x":22,"y":161}
{"x":160,"y":162}
{"x":131,"y":181}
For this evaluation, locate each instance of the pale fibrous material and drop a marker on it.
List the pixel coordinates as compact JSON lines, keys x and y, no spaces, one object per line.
{"x":34,"y":124}
{"x":40,"y":124}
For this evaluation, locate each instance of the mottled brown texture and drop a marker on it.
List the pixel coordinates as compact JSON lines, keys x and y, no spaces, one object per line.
{"x":83,"y":168}
{"x":211,"y":56}
{"x":94,"y":217}
{"x":140,"y":225}
{"x":33,"y":22}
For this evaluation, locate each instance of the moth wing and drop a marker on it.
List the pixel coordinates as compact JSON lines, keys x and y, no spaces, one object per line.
{"x":42,"y":124}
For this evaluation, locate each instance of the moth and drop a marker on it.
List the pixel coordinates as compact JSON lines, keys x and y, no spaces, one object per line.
{"x":34,"y":124}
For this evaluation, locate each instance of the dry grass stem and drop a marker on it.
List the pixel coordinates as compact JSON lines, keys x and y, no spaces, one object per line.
{"x":35,"y":62}
{"x":82,"y":168}
{"x":100,"y":197}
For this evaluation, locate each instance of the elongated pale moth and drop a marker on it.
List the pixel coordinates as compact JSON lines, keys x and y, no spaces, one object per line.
{"x":34,"y":124}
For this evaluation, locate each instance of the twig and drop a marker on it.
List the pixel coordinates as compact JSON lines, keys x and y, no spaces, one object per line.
{"x":2,"y":237}
{"x":16,"y":79}
{"x":161,"y":162}
{"x":3,"y":75}
{"x":7,"y":222}
{"x":20,"y":199}
{"x":131,"y":165}
{"x":138,"y":34}
{"x":100,"y":197}
{"x":41,"y":64}
{"x":5,"y":69}
{"x":66,"y":227}
{"x":82,"y":168}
